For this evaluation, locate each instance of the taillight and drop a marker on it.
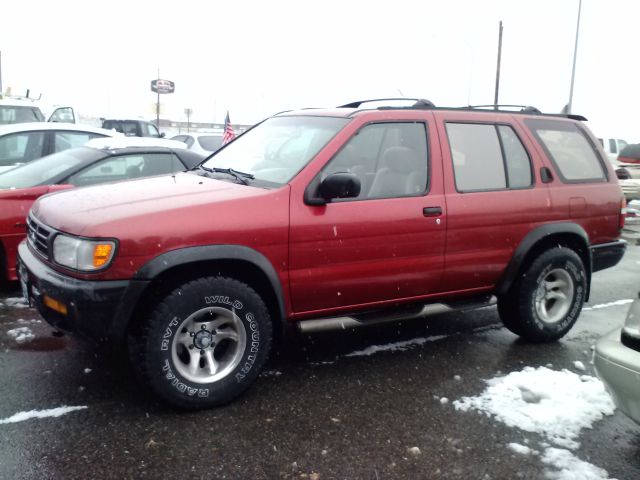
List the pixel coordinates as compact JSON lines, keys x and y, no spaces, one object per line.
{"x":623,"y":213}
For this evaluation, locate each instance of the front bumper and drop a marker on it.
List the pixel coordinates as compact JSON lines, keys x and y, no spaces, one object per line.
{"x":606,"y":255}
{"x":619,"y":368}
{"x":95,"y":309}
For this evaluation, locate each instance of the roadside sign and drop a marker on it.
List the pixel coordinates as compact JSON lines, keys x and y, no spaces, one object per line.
{"x":162,"y":86}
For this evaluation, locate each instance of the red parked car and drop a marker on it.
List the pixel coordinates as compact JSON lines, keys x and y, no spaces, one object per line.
{"x":325,"y":219}
{"x":100,"y":161}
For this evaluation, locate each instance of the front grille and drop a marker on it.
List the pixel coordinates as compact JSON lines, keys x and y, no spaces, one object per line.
{"x":38,"y":236}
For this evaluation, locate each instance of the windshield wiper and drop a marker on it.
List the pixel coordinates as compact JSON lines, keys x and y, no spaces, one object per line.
{"x":240,"y":176}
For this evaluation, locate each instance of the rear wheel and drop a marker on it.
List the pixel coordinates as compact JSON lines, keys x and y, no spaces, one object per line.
{"x":545,"y":302}
{"x":204,"y":343}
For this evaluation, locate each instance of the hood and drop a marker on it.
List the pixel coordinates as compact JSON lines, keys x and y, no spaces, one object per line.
{"x":89,"y":211}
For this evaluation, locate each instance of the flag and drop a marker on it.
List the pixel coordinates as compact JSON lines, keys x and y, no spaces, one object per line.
{"x":229,"y":134}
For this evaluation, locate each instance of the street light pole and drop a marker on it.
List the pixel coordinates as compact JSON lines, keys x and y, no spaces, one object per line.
{"x":495,"y":98}
{"x":158,"y":103}
{"x":575,"y":55}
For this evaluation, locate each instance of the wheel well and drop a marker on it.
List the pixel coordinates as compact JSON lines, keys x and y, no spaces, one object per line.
{"x":568,"y":240}
{"x":241,"y":270}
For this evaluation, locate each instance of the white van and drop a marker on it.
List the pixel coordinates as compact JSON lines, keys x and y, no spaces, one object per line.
{"x":612,"y":147}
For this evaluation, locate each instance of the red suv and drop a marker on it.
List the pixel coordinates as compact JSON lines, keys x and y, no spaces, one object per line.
{"x":326,"y":219}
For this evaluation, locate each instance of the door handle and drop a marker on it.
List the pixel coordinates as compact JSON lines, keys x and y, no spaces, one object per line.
{"x":432,"y":211}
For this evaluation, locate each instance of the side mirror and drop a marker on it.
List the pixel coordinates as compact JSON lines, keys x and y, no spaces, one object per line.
{"x":336,"y":185}
{"x":162,"y":134}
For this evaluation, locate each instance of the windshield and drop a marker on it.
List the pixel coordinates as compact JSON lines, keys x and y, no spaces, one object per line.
{"x":277,"y":149}
{"x":46,"y":170}
{"x":19,"y":114}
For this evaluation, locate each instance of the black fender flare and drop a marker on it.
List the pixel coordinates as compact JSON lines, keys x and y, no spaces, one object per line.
{"x":531,"y":240}
{"x":184,"y":256}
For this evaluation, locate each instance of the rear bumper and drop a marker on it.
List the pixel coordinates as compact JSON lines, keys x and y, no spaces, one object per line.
{"x":619,"y":368}
{"x":607,"y":255}
{"x":96,"y":309}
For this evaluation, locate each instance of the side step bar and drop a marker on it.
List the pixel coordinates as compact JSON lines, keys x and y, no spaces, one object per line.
{"x":395,"y":315}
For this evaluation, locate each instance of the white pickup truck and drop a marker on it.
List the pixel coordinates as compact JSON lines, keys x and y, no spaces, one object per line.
{"x":23,"y":108}
{"x":612,"y":147}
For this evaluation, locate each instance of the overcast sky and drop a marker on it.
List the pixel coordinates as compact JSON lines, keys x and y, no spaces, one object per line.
{"x":256,"y":58}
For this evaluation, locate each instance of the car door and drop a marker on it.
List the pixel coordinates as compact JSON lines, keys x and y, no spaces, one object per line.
{"x":386,"y":244}
{"x":493,"y":196}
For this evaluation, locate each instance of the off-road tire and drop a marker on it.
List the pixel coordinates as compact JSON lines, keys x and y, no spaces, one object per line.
{"x":176,"y":359}
{"x":534,"y":307}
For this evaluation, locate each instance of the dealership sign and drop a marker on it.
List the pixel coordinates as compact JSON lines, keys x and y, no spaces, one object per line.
{"x":162,"y":86}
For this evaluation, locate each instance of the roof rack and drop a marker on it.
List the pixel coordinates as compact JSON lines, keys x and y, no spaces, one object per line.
{"x":526,"y":109}
{"x":523,"y":108}
{"x":419,"y":102}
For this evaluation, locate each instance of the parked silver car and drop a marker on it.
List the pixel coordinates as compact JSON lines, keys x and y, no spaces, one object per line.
{"x":617,"y":362}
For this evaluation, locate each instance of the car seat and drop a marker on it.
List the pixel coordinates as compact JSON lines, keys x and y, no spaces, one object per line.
{"x":401,"y":174}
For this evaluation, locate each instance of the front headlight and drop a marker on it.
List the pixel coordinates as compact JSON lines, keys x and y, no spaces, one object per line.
{"x":81,"y":254}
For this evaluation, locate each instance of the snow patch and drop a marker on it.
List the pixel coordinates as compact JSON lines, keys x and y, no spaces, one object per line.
{"x":21,"y":334}
{"x":17,"y":302}
{"x":570,"y":467}
{"x":578,"y":365}
{"x":556,"y":404}
{"x":394,"y":347}
{"x":521,"y":449}
{"x":51,"y":412}
{"x":607,"y":305}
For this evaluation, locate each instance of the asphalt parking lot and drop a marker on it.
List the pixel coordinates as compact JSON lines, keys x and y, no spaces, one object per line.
{"x":358,"y":404}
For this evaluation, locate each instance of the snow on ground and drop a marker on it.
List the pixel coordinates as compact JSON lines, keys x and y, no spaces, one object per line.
{"x":607,"y":305}
{"x":397,"y":346}
{"x":21,"y":334}
{"x":555,"y":404}
{"x":51,"y":412}
{"x":569,"y":467}
{"x":521,"y":449}
{"x":17,"y":302}
{"x":578,"y":365}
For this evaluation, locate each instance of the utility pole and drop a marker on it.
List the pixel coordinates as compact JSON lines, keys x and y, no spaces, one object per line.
{"x":575,"y":55}
{"x":0,"y":73}
{"x":188,"y":112}
{"x":495,"y":98}
{"x":158,"y":104}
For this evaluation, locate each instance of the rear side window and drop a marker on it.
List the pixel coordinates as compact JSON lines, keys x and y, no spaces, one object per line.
{"x":488,"y":157}
{"x":65,"y":140}
{"x":571,"y":152}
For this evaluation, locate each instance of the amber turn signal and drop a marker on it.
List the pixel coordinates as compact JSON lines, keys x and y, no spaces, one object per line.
{"x":54,"y":304}
{"x":101,"y":254}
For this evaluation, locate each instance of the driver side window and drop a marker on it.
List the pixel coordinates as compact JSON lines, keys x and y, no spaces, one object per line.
{"x":389,"y":159}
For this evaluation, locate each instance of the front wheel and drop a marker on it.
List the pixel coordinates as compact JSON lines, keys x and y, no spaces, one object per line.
{"x":545,"y":302}
{"x":204,"y":343}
